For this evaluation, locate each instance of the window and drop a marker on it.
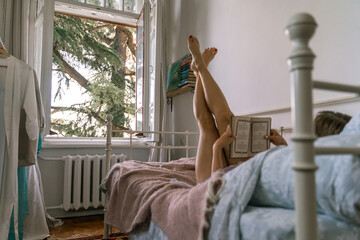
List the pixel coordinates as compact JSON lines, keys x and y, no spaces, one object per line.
{"x":98,"y":76}
{"x":93,"y":74}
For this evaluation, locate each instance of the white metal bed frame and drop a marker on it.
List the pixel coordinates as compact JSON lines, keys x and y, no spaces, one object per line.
{"x":300,"y":29}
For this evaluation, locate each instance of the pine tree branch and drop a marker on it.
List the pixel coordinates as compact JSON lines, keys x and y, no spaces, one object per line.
{"x":85,"y":111}
{"x":72,"y":72}
{"x":79,"y":110}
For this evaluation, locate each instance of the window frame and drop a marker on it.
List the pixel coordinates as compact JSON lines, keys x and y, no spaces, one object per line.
{"x":45,"y":72}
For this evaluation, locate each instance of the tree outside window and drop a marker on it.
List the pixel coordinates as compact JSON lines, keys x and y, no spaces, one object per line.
{"x":98,"y":59}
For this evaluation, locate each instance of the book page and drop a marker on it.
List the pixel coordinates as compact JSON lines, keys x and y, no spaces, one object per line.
{"x":260,"y":128}
{"x":242,"y":132}
{"x":240,"y":127}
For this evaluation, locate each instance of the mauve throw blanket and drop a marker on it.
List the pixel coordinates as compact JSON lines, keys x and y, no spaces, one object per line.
{"x":165,"y":192}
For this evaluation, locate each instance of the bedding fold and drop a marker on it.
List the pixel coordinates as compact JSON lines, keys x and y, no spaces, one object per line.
{"x":165,"y":192}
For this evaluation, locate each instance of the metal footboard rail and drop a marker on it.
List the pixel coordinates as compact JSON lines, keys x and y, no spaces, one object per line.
{"x":300,"y":29}
{"x":336,"y":87}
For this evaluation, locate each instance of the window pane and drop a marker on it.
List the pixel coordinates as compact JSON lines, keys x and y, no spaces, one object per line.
{"x":139,"y":122}
{"x":96,"y":2}
{"x":152,"y":81}
{"x":152,"y":53}
{"x":38,"y":46}
{"x":117,"y":4}
{"x":93,"y":75}
{"x":140,"y":28}
{"x":134,"y":6}
{"x":140,"y":73}
{"x":82,"y":1}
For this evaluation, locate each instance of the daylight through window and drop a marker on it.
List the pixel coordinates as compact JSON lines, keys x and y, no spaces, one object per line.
{"x":94,"y":69}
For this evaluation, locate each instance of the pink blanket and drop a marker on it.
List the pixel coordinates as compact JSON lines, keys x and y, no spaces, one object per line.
{"x":165,"y":192}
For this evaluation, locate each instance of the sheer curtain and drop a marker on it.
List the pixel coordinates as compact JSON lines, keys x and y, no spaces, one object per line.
{"x":160,"y":155}
{"x":17,"y":33}
{"x":16,"y":28}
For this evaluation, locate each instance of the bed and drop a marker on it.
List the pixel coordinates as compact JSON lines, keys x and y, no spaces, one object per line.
{"x":275,"y":195}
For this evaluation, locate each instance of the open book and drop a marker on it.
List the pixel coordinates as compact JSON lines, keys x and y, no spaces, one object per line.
{"x":250,"y":132}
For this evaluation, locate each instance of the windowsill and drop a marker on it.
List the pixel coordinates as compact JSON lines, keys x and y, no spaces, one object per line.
{"x":83,"y":142}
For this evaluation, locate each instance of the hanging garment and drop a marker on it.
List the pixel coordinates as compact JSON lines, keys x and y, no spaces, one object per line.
{"x":23,"y":205}
{"x":22,"y":104}
{"x":35,"y":225}
{"x":2,"y":133}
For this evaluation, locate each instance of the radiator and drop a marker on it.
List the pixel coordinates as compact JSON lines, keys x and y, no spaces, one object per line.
{"x":82,"y":177}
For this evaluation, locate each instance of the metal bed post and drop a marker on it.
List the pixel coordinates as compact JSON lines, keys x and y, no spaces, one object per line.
{"x":169,"y":152}
{"x":109,"y":119}
{"x":131,"y":144}
{"x":300,"y":29}
{"x":187,"y":143}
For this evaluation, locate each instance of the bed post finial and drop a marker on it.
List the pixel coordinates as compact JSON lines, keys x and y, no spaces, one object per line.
{"x":109,"y":117}
{"x":300,"y":29}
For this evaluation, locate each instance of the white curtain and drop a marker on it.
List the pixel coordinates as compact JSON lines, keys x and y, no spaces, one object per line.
{"x":161,"y":154}
{"x":16,"y":28}
{"x":16,"y":31}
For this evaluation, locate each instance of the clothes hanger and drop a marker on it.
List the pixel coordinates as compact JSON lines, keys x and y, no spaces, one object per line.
{"x":3,"y":50}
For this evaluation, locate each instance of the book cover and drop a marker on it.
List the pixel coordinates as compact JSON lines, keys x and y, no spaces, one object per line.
{"x":186,"y":82}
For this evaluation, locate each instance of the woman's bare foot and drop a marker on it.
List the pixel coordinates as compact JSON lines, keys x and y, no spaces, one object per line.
{"x":208,"y":54}
{"x":194,"y":48}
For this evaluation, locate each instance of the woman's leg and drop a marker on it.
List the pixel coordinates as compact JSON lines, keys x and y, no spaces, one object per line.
{"x":214,"y":97}
{"x":208,"y":131}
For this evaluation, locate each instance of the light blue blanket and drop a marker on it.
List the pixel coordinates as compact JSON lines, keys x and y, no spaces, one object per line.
{"x":237,"y":192}
{"x":268,"y":180}
{"x":267,"y":223}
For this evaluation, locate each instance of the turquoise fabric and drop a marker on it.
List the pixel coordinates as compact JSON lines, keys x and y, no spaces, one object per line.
{"x":23,"y":204}
{"x":39,"y":144}
{"x":22,"y":198}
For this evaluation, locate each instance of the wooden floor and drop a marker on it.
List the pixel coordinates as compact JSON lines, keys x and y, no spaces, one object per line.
{"x":93,"y":225}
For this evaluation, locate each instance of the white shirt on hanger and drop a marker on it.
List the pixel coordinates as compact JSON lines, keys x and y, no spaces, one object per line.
{"x":22,"y":98}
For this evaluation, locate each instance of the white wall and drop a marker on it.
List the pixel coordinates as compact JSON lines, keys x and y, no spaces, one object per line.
{"x":250,"y":66}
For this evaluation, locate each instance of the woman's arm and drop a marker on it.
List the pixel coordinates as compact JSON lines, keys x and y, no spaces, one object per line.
{"x":218,"y":160}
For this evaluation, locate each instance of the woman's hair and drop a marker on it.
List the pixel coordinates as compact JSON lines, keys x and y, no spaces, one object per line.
{"x":329,"y":122}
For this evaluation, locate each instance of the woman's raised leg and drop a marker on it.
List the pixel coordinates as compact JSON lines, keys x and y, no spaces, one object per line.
{"x":214,"y":97}
{"x":208,"y":131}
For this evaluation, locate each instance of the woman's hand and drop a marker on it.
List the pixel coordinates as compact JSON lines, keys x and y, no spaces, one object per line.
{"x":225,"y":139}
{"x":218,"y":158}
{"x":275,"y":138}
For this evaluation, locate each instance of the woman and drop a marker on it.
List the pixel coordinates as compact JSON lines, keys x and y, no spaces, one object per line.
{"x":213,"y":115}
{"x":215,"y":137}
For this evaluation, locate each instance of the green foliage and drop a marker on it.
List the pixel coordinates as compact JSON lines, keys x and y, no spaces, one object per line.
{"x":80,"y":43}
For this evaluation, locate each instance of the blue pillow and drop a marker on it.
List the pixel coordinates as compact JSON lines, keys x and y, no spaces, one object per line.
{"x":353,"y":126}
{"x":337,"y":179}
